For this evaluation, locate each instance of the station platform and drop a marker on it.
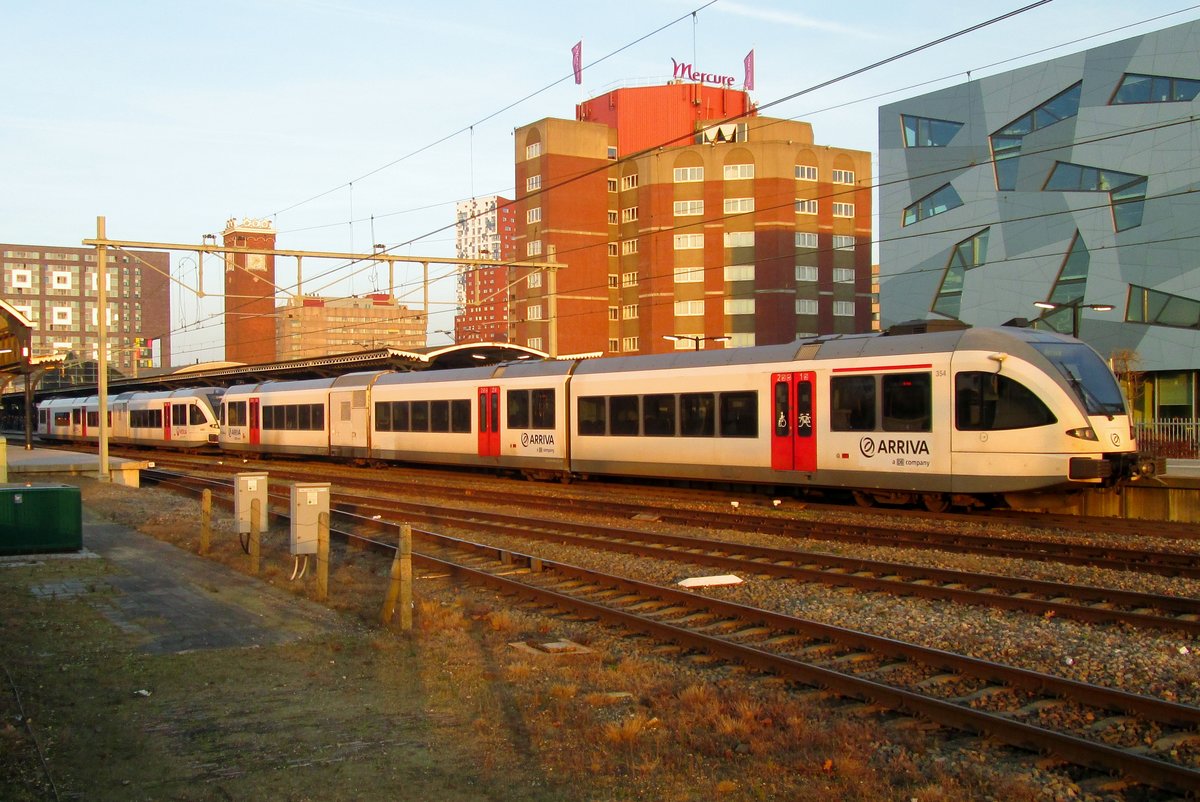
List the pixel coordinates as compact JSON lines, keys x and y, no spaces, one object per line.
{"x":43,"y":464}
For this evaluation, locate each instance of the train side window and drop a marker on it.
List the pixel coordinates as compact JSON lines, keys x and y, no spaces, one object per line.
{"x":304,"y":417}
{"x":460,"y":415}
{"x":237,"y":413}
{"x":76,"y":416}
{"x":908,"y":402}
{"x":739,"y":414}
{"x":852,"y":403}
{"x":62,"y":419}
{"x":383,"y":416}
{"x":518,"y":409}
{"x":542,"y":402}
{"x":592,"y":415}
{"x":625,"y":411}
{"x":400,"y":416}
{"x":291,"y":418}
{"x":439,"y":416}
{"x":697,"y":414}
{"x":420,"y":416}
{"x":985,"y":401}
{"x":318,"y":417}
{"x":93,"y":419}
{"x":658,"y":415}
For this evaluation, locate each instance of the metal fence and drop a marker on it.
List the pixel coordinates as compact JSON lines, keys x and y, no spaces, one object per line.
{"x":1177,"y":438}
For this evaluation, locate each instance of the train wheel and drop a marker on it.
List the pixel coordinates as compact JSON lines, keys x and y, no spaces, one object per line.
{"x":936,"y":502}
{"x":864,"y":499}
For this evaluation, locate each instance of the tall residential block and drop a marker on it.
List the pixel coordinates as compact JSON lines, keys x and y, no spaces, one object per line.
{"x":484,"y":229}
{"x":56,"y":288}
{"x":677,"y":211}
{"x":1069,"y":184}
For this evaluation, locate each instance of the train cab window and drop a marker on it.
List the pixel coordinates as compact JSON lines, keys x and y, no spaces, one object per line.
{"x":852,"y":403}
{"x":908,"y":402}
{"x":592,"y":415}
{"x":985,"y":401}
{"x":658,"y":415}
{"x":237,"y":413}
{"x":739,"y":414}
{"x":625,"y":411}
{"x":697,"y":414}
{"x":195,"y":415}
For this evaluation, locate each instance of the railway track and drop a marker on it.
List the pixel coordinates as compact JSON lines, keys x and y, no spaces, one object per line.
{"x":1147,"y":739}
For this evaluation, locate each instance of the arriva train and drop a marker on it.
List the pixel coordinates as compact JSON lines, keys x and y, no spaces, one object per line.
{"x":965,"y":417}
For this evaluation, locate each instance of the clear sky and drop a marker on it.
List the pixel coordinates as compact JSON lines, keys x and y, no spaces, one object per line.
{"x":353,"y":122}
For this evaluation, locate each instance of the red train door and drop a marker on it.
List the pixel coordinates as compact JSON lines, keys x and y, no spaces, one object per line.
{"x":82,"y":413}
{"x":254,"y":432}
{"x":793,"y":421}
{"x":166,"y":421}
{"x":489,"y":421}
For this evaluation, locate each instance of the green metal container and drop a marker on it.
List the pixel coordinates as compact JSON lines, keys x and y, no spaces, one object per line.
{"x":37,"y":518}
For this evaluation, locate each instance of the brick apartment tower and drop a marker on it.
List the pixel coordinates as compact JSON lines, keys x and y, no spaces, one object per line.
{"x":670,"y":221}
{"x":484,"y":229}
{"x":250,"y":292}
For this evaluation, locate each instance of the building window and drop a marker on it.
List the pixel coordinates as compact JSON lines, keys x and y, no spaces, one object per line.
{"x":533,"y":312}
{"x":612,"y":152}
{"x":738,"y":205}
{"x":689,"y":308}
{"x":1006,"y":143}
{"x":534,"y":343}
{"x":843,"y":275}
{"x":629,"y":312}
{"x":629,"y":246}
{"x":533,"y":247}
{"x":629,"y":215}
{"x":612,"y":185}
{"x":806,"y":206}
{"x":843,"y":176}
{"x":614,"y":313}
{"x":806,"y":239}
{"x":612,"y":217}
{"x":689,"y":208}
{"x":739,"y":306}
{"x":612,"y":249}
{"x":629,"y":344}
{"x":924,"y":132}
{"x":942,"y":199}
{"x":613,"y":281}
{"x":739,"y":239}
{"x":1136,"y":88}
{"x":739,"y":272}
{"x":684,"y":175}
{"x":629,"y":279}
{"x":843,"y":243}
{"x":613,"y":346}
{"x":843,"y":210}
{"x":534,"y":215}
{"x":687,"y":242}
{"x":737,"y":172}
{"x":806,"y":172}
{"x":806,"y":306}
{"x":968,"y":254}
{"x":843,"y":308}
{"x":532,"y":183}
{"x":629,"y":181}
{"x":62,"y":316}
{"x":534,"y":280}
{"x":533,"y":151}
{"x":1162,"y":309}
{"x":21,"y":279}
{"x":806,"y":272}
{"x":1126,"y":191}
{"x":60,"y":280}
{"x":689,"y":275}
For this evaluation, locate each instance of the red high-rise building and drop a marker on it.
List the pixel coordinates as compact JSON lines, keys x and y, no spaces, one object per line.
{"x":677,"y":211}
{"x":250,"y":292}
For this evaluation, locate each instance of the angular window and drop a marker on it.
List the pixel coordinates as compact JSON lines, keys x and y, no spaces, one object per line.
{"x":924,"y":132}
{"x":1156,"y":308}
{"x":986,"y":401}
{"x":1136,"y":88}
{"x":1126,"y":191}
{"x":942,"y":199}
{"x":1006,"y":143}
{"x":968,"y":254}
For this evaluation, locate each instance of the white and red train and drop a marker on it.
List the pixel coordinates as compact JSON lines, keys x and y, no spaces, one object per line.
{"x":965,"y":416}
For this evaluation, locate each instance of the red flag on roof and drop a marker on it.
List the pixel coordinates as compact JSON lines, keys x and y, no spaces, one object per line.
{"x":748,"y":63}
{"x":577,"y":61}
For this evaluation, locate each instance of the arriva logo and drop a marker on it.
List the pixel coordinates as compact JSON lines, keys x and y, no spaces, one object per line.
{"x":870,"y":447}
{"x":1116,"y":439}
{"x":528,"y":439}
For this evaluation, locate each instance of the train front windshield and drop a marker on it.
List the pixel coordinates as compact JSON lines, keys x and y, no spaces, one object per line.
{"x":1087,"y":375}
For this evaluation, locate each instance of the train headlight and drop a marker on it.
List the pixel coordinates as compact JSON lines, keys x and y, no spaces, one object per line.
{"x":1083,"y":433}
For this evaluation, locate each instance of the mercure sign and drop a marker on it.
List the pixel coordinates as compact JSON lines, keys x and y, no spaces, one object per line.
{"x":683,"y":70}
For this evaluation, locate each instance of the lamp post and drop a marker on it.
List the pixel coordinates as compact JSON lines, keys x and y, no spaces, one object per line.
{"x":695,"y":340}
{"x":1076,"y":311}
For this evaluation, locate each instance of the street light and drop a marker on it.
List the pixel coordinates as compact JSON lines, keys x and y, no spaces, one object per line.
{"x":695,"y":340}
{"x":1076,"y":310}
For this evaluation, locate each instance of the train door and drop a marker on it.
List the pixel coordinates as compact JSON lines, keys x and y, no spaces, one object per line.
{"x":255,"y":434}
{"x":166,"y":421}
{"x":794,"y":422}
{"x":489,"y":421}
{"x":348,"y":422}
{"x":80,"y":418}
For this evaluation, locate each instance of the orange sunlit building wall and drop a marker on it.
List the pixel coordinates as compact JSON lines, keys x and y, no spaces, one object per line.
{"x":249,"y":292}
{"x":671,"y":220}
